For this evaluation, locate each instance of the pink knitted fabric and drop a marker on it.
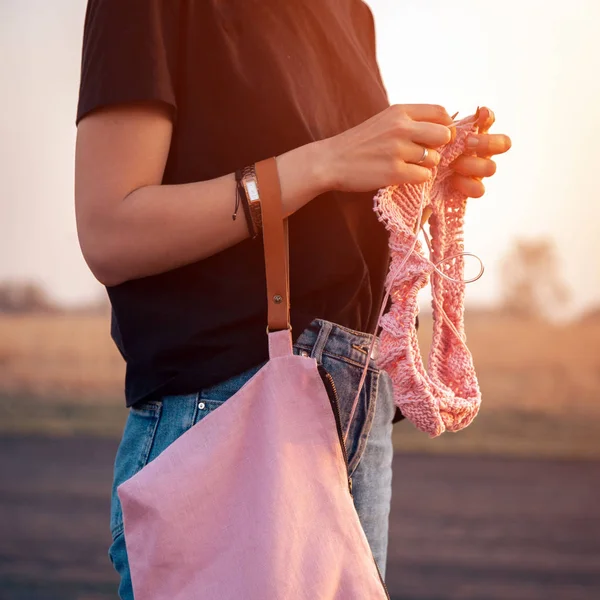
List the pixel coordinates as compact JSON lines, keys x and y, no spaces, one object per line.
{"x":446,"y":397}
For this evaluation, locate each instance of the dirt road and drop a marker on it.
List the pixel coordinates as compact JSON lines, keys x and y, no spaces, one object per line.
{"x":463,"y":528}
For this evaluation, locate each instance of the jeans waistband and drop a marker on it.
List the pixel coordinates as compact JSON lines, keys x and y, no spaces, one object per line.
{"x":323,"y":337}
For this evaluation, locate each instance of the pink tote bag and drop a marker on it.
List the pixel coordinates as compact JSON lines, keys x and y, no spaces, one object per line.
{"x":254,"y":502}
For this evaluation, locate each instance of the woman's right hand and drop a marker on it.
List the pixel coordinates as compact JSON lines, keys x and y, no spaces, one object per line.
{"x":385,"y":149}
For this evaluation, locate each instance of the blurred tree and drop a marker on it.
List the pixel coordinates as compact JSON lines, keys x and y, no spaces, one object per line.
{"x":531,"y":285}
{"x":18,"y":297}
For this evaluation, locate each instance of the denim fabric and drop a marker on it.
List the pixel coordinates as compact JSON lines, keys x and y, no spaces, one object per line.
{"x":153,"y":426}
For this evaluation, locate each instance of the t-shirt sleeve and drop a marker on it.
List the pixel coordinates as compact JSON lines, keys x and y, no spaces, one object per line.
{"x":130,"y":54}
{"x":369,"y":21}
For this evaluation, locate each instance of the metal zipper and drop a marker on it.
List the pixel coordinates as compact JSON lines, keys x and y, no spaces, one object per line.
{"x":335,"y":405}
{"x":333,"y":400}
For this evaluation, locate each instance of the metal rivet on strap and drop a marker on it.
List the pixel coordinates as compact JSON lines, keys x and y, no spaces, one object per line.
{"x":201,"y":405}
{"x":277,"y":299}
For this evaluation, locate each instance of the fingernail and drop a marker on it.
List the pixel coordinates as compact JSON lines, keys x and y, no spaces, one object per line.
{"x":472,"y":142}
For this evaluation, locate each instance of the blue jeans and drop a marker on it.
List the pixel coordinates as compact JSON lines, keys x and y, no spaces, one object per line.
{"x":154,"y":425}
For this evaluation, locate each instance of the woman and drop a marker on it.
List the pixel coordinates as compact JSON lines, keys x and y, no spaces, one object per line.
{"x":175,"y":97}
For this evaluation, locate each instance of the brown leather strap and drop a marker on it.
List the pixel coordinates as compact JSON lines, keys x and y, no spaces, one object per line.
{"x":275,"y":240}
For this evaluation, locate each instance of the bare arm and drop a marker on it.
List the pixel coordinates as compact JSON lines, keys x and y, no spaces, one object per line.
{"x":130,"y":226}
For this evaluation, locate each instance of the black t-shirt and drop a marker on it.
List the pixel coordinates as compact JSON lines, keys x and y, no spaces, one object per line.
{"x":244,"y":80}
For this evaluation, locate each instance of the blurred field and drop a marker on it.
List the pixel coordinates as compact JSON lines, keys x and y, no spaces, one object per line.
{"x":462,"y":527}
{"x":541,"y":384}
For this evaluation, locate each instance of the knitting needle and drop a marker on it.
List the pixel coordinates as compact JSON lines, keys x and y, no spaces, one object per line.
{"x":427,"y":212}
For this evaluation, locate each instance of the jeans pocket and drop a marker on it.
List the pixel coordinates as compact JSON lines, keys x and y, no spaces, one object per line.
{"x":346,"y":377}
{"x":133,"y":453}
{"x":215,"y":395}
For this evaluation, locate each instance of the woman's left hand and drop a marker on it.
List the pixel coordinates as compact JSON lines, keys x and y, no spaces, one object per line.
{"x":476,"y":162}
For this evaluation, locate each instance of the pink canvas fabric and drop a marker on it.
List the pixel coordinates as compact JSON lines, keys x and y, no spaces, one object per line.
{"x":446,"y":397}
{"x":253,"y":502}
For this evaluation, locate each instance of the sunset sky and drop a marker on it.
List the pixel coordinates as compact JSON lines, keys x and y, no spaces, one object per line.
{"x":535,"y":63}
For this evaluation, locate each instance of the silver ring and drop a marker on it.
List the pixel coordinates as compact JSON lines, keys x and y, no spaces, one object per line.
{"x":424,"y":157}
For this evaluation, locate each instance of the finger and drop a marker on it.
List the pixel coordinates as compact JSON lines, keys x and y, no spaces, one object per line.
{"x":432,"y":113}
{"x":486,"y":119}
{"x":473,"y":188}
{"x":488,"y":144}
{"x":415,"y":174}
{"x":430,"y":135}
{"x":473,"y":166}
{"x":413,"y":153}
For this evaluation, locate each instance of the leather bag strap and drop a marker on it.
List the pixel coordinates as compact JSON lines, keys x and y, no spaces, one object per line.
{"x":276,"y":246}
